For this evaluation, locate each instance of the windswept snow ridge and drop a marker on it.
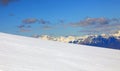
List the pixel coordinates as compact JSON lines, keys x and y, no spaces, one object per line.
{"x":18,"y":53}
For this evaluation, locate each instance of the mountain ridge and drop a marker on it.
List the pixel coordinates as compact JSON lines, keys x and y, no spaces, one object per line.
{"x":103,"y":40}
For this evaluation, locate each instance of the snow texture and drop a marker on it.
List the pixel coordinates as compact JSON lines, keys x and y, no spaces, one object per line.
{"x":19,"y":53}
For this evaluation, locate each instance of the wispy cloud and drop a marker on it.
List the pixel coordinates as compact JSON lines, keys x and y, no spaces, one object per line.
{"x":91,"y":21}
{"x":30,"y":21}
{"x":97,"y":25}
{"x":61,"y":21}
{"x":35,"y":20}
{"x":6,"y":2}
{"x":24,"y":26}
{"x":47,"y":27}
{"x":21,"y":26}
{"x":24,"y":30}
{"x":11,"y":14}
{"x":88,"y":25}
{"x":42,"y":21}
{"x":108,"y":29}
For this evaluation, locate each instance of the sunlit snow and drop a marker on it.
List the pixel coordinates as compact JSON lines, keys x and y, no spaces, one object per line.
{"x":18,"y":53}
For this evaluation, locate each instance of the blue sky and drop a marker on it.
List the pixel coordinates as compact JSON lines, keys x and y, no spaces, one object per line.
{"x":59,"y":17}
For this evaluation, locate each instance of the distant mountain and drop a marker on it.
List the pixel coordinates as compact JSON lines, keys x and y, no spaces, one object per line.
{"x":103,"y":40}
{"x":100,"y":41}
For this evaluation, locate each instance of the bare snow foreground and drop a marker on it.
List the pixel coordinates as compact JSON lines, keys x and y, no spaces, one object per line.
{"x":18,"y":53}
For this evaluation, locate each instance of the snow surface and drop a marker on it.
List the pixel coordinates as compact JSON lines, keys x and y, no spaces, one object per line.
{"x":18,"y":53}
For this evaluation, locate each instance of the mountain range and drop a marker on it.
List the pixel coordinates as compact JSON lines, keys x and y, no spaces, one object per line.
{"x":103,"y":40}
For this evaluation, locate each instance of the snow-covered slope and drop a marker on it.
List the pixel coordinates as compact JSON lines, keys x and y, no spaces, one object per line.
{"x":18,"y":53}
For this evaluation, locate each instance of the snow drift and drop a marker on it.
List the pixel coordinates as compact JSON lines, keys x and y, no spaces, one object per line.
{"x":18,"y":53}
